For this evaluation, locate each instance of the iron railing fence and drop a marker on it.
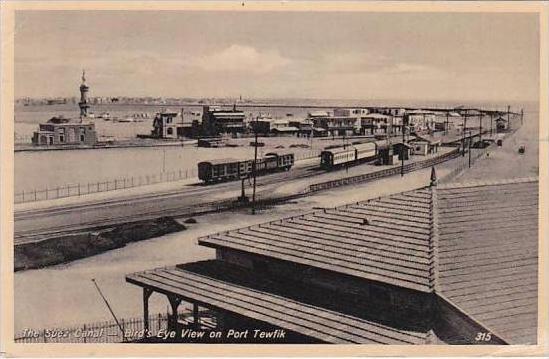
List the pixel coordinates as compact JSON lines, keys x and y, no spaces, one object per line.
{"x":80,"y":189}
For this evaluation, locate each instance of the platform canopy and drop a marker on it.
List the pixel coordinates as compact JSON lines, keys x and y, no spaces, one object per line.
{"x":228,"y":289}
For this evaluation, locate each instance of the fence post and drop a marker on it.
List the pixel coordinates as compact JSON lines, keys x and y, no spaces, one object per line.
{"x":35,"y":194}
{"x":84,"y":331}
{"x":79,"y":188}
{"x":115,"y":184}
{"x":44,"y":335}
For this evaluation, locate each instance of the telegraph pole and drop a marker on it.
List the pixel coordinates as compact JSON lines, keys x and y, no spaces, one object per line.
{"x":463,"y":137}
{"x":480,"y":116}
{"x":446,"y":129}
{"x":508,"y":117}
{"x":491,"y":123}
{"x":404,"y":120}
{"x":469,"y":149}
{"x":254,"y":164}
{"x":521,"y":116}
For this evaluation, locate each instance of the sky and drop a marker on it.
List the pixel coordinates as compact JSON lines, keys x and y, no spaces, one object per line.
{"x":335,"y":55}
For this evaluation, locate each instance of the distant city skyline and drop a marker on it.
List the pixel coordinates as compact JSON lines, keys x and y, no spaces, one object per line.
{"x":400,"y":56}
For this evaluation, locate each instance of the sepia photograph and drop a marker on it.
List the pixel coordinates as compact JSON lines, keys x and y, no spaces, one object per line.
{"x":277,"y":173}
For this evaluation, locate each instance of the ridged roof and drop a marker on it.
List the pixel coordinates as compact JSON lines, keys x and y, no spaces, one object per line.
{"x":488,"y":254}
{"x":385,"y":239}
{"x":475,"y":244}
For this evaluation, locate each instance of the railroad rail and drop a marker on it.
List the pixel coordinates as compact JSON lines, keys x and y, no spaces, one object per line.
{"x":263,"y":200}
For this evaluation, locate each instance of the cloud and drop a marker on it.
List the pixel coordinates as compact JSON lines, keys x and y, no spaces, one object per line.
{"x":239,"y":58}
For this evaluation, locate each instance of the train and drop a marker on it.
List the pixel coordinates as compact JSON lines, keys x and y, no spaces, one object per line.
{"x":231,"y":169}
{"x":352,"y":154}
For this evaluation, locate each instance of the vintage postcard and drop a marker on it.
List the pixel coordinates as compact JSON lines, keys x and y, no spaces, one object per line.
{"x":271,"y":176}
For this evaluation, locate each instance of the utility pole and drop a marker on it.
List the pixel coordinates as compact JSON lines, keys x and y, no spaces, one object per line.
{"x":521,"y":116}
{"x":469,"y":149}
{"x":446,"y":128}
{"x":508,"y":117}
{"x":404,"y":120}
{"x":480,"y":116}
{"x":254,"y":164}
{"x":463,"y":137}
{"x":491,"y":123}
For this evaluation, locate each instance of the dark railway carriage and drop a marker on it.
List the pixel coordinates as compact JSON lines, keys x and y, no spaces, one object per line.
{"x":284,"y":161}
{"x":223,"y":169}
{"x":231,"y":169}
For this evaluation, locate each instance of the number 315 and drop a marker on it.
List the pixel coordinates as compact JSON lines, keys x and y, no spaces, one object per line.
{"x":481,"y":336}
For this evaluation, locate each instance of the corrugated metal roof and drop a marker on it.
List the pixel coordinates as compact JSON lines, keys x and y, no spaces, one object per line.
{"x":385,"y":239}
{"x":221,"y":286}
{"x":487,"y":254}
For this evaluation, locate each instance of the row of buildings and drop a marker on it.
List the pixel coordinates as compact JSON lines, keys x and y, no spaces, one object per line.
{"x":217,"y":121}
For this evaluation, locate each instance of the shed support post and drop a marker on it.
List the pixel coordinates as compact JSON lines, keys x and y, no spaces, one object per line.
{"x":174,"y":302}
{"x":146,"y":294}
{"x":196,"y":316}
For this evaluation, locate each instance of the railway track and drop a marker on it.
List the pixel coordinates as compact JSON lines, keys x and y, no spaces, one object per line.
{"x":186,"y":209}
{"x":186,"y":191}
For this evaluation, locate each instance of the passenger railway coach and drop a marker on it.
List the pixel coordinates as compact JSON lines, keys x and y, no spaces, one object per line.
{"x":231,"y":169}
{"x":363,"y":152}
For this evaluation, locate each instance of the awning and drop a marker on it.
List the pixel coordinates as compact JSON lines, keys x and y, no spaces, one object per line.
{"x":220,"y":287}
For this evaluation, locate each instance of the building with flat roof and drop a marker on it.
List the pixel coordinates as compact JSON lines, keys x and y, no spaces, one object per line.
{"x":65,"y":131}
{"x":217,"y":121}
{"x":435,"y":265}
{"x":166,"y":126}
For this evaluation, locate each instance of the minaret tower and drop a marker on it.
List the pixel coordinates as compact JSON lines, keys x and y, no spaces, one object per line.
{"x":84,"y":96}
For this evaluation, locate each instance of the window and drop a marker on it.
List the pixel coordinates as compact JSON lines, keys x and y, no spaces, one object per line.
{"x":169,"y":131}
{"x":61,"y":139}
{"x":81,"y":138}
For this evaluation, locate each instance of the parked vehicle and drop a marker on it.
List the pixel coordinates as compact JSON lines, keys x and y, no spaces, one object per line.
{"x":349,"y":155}
{"x":231,"y":169}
